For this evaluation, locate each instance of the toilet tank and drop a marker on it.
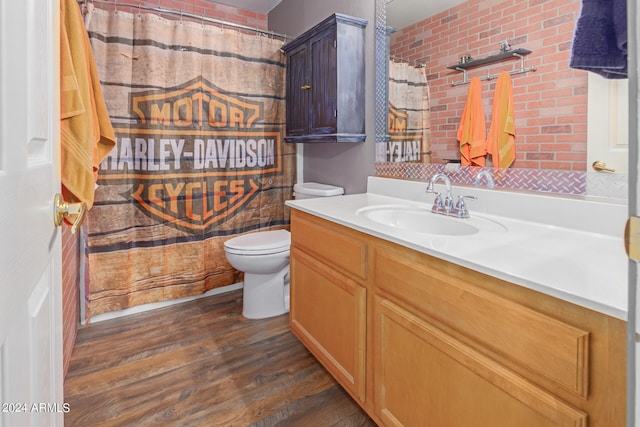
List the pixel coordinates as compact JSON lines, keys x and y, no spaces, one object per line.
{"x":309,"y":190}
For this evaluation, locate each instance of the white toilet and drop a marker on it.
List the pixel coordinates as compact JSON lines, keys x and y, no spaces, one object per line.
{"x":263,"y":256}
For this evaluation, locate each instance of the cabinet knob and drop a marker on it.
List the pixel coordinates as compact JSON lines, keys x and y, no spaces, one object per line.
{"x":305,"y":87}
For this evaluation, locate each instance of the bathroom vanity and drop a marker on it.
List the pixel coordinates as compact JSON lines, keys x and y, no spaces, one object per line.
{"x":480,"y":328}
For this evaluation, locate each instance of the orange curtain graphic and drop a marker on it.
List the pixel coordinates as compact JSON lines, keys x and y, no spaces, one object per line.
{"x":198,"y":113}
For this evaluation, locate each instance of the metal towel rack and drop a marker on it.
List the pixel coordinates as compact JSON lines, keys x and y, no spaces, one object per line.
{"x":515,"y":53}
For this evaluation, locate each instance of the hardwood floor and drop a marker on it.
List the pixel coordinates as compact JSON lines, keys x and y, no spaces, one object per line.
{"x":201,"y":363}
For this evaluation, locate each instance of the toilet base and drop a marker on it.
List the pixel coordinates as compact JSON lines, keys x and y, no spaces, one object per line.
{"x":264,"y":294}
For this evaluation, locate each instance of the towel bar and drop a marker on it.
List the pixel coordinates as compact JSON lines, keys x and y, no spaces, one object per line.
{"x":516,"y":53}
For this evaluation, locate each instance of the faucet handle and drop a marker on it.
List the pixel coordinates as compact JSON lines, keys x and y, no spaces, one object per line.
{"x":438,"y":204}
{"x":461,"y":207}
{"x":430,"y":187}
{"x":461,"y":203}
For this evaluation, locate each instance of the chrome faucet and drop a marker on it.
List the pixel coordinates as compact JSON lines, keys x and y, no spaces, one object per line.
{"x":484,"y":173}
{"x":446,"y":206}
{"x":438,"y":205}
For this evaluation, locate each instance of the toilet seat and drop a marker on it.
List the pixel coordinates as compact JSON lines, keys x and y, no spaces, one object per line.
{"x":259,"y":243}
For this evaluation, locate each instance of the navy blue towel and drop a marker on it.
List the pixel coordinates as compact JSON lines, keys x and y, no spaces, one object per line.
{"x":600,"y":38}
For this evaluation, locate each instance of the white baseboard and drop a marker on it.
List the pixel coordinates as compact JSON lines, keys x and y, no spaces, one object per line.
{"x":154,"y":305}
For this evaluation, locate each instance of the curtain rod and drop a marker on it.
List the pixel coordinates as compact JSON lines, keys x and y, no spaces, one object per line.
{"x":202,"y":18}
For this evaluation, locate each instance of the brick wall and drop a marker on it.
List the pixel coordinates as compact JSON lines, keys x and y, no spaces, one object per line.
{"x":70,"y":292}
{"x":550,"y":103}
{"x":70,"y":249}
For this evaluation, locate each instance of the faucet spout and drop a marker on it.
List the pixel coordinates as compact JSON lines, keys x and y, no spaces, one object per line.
{"x":484,"y":173}
{"x":439,"y":177}
{"x":448,"y":200}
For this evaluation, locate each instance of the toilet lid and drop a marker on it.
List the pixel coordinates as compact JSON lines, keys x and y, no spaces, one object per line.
{"x":264,"y":242}
{"x":317,"y":190}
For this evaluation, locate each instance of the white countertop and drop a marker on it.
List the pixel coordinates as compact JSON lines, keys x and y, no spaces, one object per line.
{"x":570,"y":248}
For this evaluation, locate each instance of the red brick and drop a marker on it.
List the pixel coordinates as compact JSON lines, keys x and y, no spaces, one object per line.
{"x":540,"y":156}
{"x":556,"y":165}
{"x":573,"y":137}
{"x":573,"y":157}
{"x":70,"y":298}
{"x":556,"y":129}
{"x":539,"y":121}
{"x":549,"y":102}
{"x":526,"y":164}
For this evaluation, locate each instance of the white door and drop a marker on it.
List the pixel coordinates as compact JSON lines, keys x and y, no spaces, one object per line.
{"x":633,"y":332}
{"x":30,"y":262}
{"x":608,"y":123}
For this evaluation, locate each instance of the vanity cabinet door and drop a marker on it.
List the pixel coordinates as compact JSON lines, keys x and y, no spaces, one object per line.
{"x":328,"y":314}
{"x":425,"y":377}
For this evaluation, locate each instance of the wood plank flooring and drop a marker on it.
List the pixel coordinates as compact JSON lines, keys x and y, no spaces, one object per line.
{"x":201,"y":363}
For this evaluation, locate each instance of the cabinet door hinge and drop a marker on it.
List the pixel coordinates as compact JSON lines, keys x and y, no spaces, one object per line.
{"x":335,"y":113}
{"x":632,"y":238}
{"x":335,"y":44}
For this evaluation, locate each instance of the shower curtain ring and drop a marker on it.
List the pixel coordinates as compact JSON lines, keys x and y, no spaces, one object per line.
{"x":139,"y":10}
{"x":180,"y":17}
{"x":115,"y":7}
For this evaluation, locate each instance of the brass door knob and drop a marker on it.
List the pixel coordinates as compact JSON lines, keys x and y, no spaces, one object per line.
{"x":601,"y":166}
{"x":305,"y":87}
{"x":62,"y":209}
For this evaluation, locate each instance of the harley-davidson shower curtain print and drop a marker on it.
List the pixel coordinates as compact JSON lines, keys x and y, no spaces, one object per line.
{"x":198,"y":113}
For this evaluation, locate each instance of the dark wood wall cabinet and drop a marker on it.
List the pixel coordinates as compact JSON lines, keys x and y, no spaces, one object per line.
{"x":325,"y":82}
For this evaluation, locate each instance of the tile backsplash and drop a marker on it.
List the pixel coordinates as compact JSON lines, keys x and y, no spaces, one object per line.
{"x":551,"y":181}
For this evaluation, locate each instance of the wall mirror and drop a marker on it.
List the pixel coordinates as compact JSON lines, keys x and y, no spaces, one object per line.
{"x":559,"y":111}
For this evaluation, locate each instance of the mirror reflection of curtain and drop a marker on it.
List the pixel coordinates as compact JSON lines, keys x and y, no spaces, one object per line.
{"x":198,"y":112}
{"x":409,"y":120}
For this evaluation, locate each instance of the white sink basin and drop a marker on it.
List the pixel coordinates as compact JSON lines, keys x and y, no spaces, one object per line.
{"x":422,"y":220}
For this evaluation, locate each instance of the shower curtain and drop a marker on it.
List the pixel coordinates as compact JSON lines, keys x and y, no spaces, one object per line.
{"x":198,"y":112}
{"x":408,"y":120}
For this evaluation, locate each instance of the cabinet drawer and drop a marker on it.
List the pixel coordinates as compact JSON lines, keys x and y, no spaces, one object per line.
{"x":337,"y":246}
{"x":541,"y":344}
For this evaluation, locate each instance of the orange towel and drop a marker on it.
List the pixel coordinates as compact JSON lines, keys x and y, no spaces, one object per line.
{"x":86,"y":134}
{"x":472,"y":131}
{"x":501,"y":140}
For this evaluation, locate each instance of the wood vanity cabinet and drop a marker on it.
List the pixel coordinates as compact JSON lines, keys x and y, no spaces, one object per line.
{"x":475,"y":350}
{"x":328,"y":299}
{"x":419,"y":341}
{"x":325,"y":82}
